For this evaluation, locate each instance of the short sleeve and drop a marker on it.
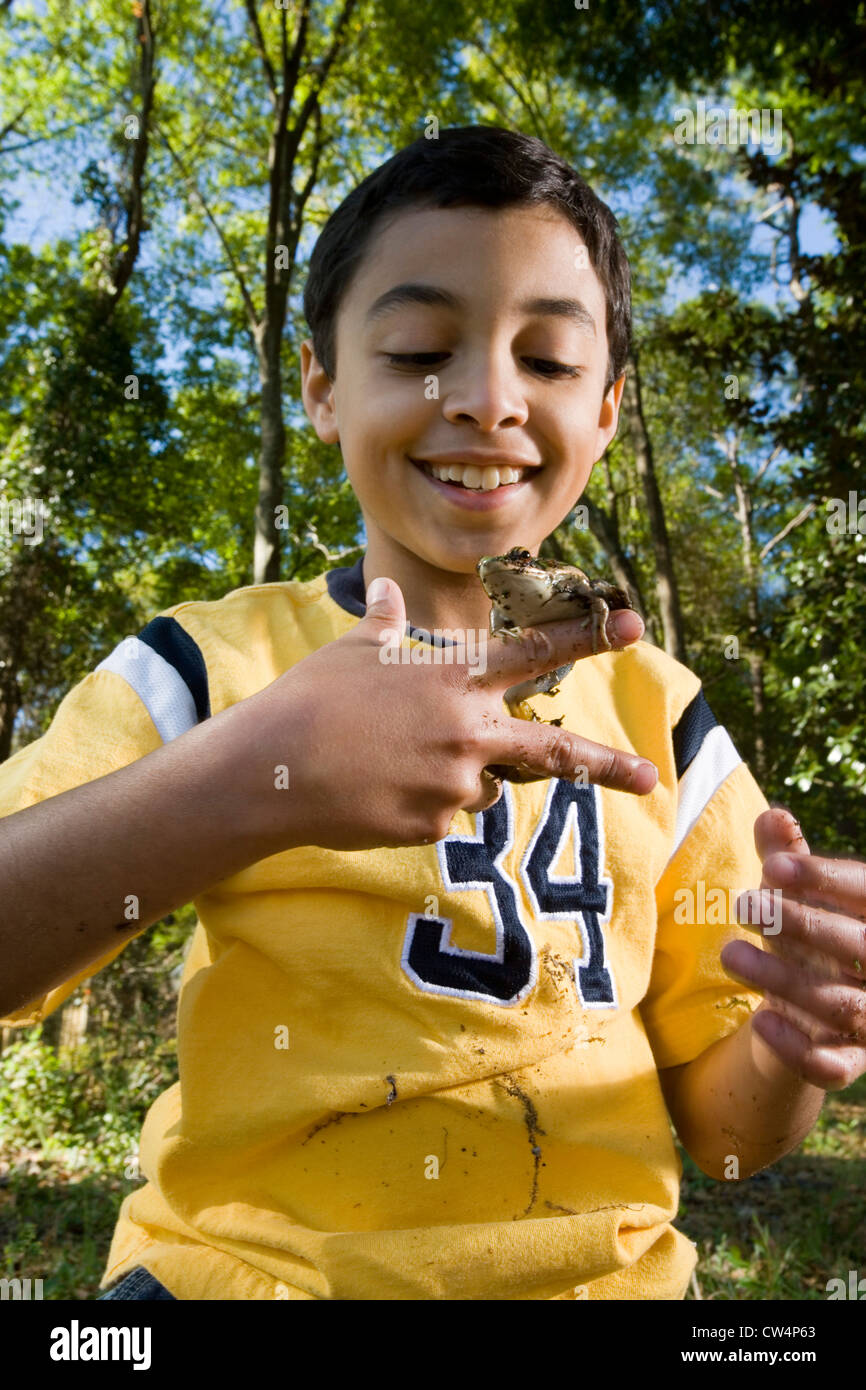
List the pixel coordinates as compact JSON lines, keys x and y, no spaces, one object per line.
{"x":691,"y":1001}
{"x":101,"y":725}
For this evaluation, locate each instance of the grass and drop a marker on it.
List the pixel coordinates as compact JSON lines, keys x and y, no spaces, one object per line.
{"x":783,"y":1233}
{"x":69,"y":1128}
{"x":70,"y":1119}
{"x":58,"y":1229}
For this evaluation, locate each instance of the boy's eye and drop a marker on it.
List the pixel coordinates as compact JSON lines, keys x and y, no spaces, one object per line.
{"x":414,"y":359}
{"x":427,"y":359}
{"x":541,"y":364}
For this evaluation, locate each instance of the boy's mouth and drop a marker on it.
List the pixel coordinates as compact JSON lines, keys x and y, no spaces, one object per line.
{"x":473,"y":477}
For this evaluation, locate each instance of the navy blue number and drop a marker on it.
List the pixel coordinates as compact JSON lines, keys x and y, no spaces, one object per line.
{"x":586,"y":898}
{"x":476,"y":861}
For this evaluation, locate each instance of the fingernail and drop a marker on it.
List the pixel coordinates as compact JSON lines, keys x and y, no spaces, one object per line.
{"x":378,"y":590}
{"x":618,"y":624}
{"x":646,"y":777}
{"x":785,"y":868}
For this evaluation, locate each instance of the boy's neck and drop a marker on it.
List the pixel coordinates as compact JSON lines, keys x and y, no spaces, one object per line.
{"x":435,"y":598}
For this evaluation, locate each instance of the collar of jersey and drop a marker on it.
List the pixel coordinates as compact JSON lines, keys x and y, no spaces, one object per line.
{"x":346,"y":588}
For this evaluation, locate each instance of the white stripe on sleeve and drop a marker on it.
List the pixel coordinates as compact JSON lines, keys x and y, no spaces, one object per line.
{"x":165,"y":694}
{"x":715,"y":760}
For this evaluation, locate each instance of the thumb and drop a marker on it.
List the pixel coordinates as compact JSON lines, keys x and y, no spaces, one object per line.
{"x":386,"y":605}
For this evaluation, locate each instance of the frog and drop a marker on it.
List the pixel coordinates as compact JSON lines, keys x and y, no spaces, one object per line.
{"x":526,"y":590}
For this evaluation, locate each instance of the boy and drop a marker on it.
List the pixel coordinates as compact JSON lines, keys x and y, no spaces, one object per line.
{"x":438,"y":1067}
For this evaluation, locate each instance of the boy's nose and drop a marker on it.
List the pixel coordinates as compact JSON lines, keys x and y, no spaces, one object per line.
{"x":487,"y":393}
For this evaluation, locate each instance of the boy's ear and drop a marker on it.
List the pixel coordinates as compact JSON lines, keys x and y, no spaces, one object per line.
{"x":317,"y":393}
{"x":608,"y":417}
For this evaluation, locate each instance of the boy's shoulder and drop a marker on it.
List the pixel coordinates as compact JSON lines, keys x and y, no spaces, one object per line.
{"x":199,"y":656}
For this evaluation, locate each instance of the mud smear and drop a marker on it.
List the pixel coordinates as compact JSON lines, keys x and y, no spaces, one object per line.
{"x":323,"y":1124}
{"x":613,"y":1206}
{"x":735,"y":1138}
{"x":556,"y":977}
{"x":533,"y":1129}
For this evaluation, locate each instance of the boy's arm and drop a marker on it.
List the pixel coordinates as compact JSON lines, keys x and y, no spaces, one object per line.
{"x":736,"y":1108}
{"x":86,"y":870}
{"x":763,"y":1087}
{"x":738,"y":1101}
{"x":696,"y":1017}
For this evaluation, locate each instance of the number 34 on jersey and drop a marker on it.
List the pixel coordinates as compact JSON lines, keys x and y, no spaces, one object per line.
{"x":477,"y":861}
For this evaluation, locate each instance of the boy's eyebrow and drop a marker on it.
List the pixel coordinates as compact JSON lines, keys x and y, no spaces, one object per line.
{"x":413,"y":292}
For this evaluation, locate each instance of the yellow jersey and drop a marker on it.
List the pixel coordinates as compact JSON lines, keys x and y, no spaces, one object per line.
{"x":431,"y":1072}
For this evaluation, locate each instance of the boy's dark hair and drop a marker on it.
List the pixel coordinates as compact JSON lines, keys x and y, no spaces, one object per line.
{"x":481,"y":166}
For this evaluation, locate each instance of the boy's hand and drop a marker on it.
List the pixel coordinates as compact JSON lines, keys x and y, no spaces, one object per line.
{"x":813,"y":978}
{"x":385,"y":753}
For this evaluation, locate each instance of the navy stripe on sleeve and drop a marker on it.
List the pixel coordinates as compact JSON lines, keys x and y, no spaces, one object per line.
{"x":694,"y":724}
{"x":165,"y":668}
{"x":705,"y":757}
{"x":169,"y":640}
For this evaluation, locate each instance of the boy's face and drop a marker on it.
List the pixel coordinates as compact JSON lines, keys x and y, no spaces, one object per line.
{"x":510,"y":374}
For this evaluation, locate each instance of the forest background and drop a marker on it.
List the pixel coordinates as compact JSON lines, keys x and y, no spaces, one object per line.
{"x":164,"y":172}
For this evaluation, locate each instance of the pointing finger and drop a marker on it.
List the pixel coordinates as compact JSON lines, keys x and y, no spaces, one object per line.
{"x":527,"y":752}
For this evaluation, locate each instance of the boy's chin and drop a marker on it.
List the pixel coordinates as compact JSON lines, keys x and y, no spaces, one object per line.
{"x":460,"y":554}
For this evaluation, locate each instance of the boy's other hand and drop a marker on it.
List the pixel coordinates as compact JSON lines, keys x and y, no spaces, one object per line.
{"x":385,"y":751}
{"x":813,"y":976}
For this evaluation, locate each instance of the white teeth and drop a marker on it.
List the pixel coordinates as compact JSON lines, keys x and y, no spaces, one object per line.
{"x":477,"y":479}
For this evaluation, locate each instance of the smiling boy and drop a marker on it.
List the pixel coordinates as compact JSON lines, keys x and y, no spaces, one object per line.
{"x":412,"y":1069}
{"x":521,"y":371}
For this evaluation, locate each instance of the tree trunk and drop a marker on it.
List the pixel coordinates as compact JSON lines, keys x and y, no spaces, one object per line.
{"x":755,"y":655}
{"x":10,"y":704}
{"x":666,"y":582}
{"x":285,"y":220}
{"x":22,"y":598}
{"x":604,"y":528}
{"x":73,"y":1024}
{"x":272,"y":452}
